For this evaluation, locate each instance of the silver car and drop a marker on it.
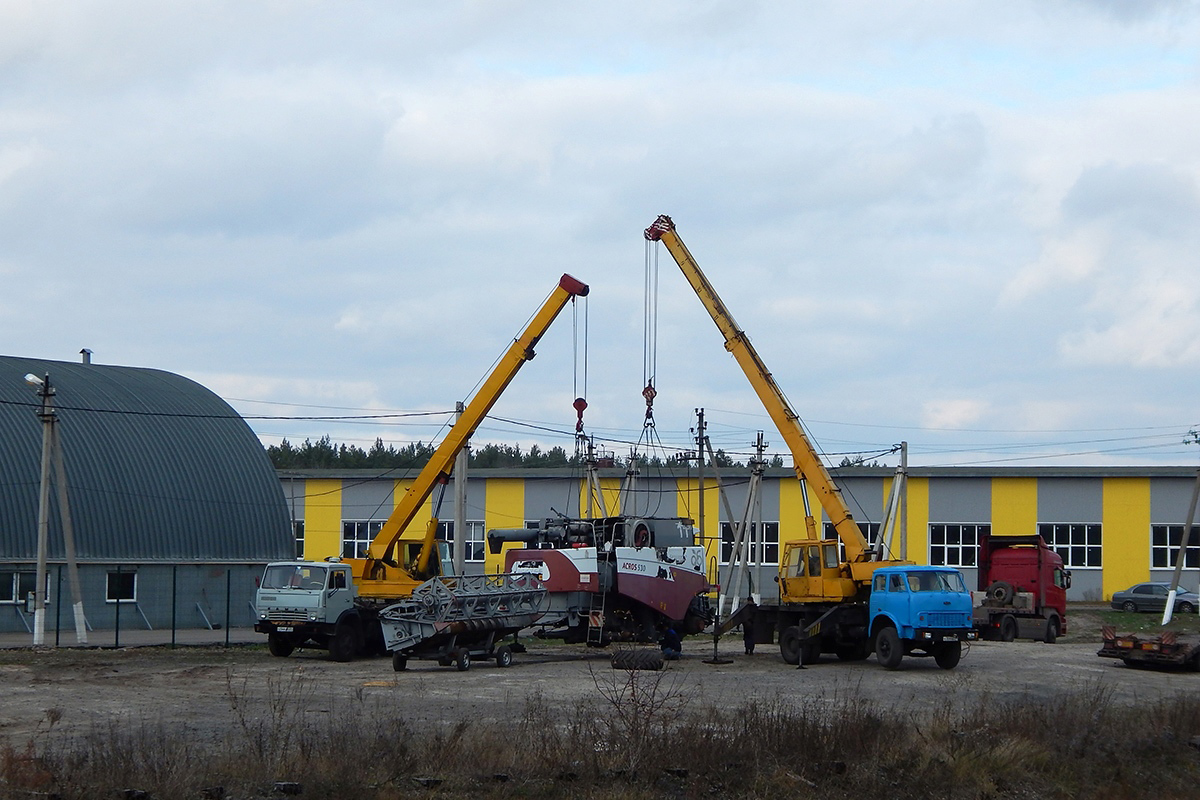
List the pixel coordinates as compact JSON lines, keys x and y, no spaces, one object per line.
{"x":1152,"y":596}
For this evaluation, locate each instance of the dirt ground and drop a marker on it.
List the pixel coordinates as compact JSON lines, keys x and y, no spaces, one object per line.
{"x":47,"y":693}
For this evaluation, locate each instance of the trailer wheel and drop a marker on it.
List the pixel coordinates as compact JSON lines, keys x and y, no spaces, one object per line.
{"x":1008,"y":628}
{"x":279,"y":646}
{"x":504,"y":656}
{"x":1051,"y":630}
{"x":462,"y":659}
{"x":399,"y":662}
{"x":344,"y":643}
{"x":948,"y":654}
{"x":789,"y":645}
{"x":888,"y":649}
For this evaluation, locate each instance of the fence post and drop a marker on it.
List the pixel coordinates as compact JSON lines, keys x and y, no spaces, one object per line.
{"x":58,"y":607}
{"x":117,"y":600}
{"x":228,"y":584}
{"x":174,"y":600}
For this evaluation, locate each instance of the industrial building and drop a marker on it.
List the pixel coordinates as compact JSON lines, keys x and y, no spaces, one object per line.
{"x":1113,"y":526}
{"x":173,"y":503}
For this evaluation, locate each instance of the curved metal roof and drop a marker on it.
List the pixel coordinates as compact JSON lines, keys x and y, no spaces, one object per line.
{"x":158,"y":468}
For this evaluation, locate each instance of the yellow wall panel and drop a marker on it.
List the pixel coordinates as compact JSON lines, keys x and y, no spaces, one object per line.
{"x":1126,"y":533}
{"x":322,"y":519}
{"x":687,"y":504}
{"x":505,"y":509}
{"x":917,"y":535}
{"x":1014,"y":506}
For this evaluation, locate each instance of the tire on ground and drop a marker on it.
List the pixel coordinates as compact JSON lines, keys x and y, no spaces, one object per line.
{"x":344,"y":643}
{"x":634,"y":658}
{"x":1051,"y":630}
{"x":399,"y":662}
{"x":504,"y":656}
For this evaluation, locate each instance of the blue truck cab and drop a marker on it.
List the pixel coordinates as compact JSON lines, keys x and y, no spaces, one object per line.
{"x":919,"y":611}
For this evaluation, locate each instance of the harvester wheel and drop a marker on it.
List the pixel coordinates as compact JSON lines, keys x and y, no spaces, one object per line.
{"x":399,"y":662}
{"x":1008,"y":628}
{"x":638,"y":658}
{"x":462,"y":659}
{"x":948,"y":654}
{"x":888,"y":649}
{"x":279,"y":646}
{"x":504,"y":656}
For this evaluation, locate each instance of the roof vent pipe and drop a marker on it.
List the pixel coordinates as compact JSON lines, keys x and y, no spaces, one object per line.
{"x":85,"y":356}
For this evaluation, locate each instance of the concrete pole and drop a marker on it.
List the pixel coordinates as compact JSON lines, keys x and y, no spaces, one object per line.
{"x":46,"y":414}
{"x":64,"y":509}
{"x":460,"y":501}
{"x":1181,"y":556}
{"x":904,"y":502}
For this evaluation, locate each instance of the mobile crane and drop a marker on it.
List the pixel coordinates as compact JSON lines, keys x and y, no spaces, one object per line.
{"x":849,"y":606}
{"x":337,"y":604}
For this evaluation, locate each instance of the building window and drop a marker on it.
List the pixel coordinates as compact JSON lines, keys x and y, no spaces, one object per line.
{"x":121,"y":587}
{"x":1078,"y":543}
{"x":869,"y":530}
{"x":954,"y":544}
{"x":475,"y":543}
{"x":357,"y":535}
{"x":298,"y":532}
{"x":1164,"y":546}
{"x":769,"y":546}
{"x":15,"y":587}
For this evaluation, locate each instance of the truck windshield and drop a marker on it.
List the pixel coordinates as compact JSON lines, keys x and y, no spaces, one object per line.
{"x":935,"y":582}
{"x":293,"y":576}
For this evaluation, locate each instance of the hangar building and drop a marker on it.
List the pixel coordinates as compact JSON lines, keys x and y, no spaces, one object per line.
{"x":173,"y":501}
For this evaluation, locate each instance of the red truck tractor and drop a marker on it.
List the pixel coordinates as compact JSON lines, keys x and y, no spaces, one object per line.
{"x":1022,"y":590}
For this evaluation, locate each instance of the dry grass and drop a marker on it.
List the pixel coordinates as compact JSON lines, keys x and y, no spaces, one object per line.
{"x":639,"y":738}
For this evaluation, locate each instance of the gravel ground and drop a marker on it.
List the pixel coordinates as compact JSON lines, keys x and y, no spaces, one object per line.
{"x":48,"y":692}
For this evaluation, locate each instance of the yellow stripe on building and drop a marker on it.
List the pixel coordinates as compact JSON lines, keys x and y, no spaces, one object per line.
{"x":1125,"y":533}
{"x":1014,"y":506}
{"x":917,"y":536}
{"x":505,"y":509}
{"x":322,"y":519}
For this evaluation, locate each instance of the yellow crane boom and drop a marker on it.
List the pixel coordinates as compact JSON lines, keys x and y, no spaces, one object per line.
{"x":380,"y":574}
{"x":809,"y":468}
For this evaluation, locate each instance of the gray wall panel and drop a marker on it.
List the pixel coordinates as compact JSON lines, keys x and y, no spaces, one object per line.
{"x":1070,"y":500}
{"x":373,"y":499}
{"x":1170,"y":499}
{"x":962,"y":500}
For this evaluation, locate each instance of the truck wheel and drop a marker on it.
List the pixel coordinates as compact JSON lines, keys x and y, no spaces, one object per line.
{"x":279,"y":646}
{"x":888,"y":649}
{"x":810,"y":650}
{"x":462,"y":659}
{"x":789,"y":645}
{"x":344,"y":643}
{"x":1051,"y":630}
{"x":399,"y":662}
{"x":504,"y":656}
{"x":1129,"y":605}
{"x":1008,"y":628}
{"x":948,"y":654}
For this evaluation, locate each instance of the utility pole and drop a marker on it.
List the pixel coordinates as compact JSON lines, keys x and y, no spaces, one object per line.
{"x":52,"y":452}
{"x":460,"y":499}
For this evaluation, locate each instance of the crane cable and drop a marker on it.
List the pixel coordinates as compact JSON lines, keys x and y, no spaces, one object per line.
{"x":580,"y":403}
{"x":650,"y":331}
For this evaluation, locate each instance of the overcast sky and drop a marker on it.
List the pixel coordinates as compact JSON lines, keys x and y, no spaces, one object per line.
{"x":968,"y":225}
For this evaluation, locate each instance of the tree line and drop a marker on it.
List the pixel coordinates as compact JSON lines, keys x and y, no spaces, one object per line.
{"x":325,"y":454}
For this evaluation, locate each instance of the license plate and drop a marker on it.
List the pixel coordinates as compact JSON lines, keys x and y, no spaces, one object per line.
{"x":949,"y":638}
{"x":284,"y":628}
